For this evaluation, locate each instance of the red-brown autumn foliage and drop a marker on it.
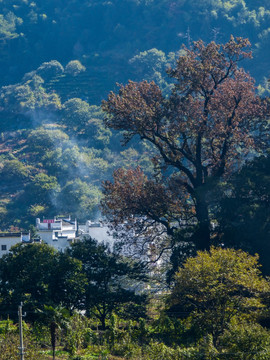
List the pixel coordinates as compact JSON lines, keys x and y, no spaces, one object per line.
{"x":202,"y":132}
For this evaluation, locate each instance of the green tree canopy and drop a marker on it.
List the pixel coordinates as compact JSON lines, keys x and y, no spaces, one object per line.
{"x":42,"y":140}
{"x":74,"y":67}
{"x":244,"y":209}
{"x":8,"y":26}
{"x":50,"y":69}
{"x":79,"y":198}
{"x":109,"y":278}
{"x":13,"y":171}
{"x":218,"y":287}
{"x":37,"y":275}
{"x":76,"y":113}
{"x":42,"y":187}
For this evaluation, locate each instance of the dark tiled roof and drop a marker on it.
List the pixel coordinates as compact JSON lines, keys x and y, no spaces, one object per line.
{"x":13,"y":234}
{"x":68,"y":222}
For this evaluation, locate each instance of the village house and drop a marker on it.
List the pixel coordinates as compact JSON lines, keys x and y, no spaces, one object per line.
{"x":96,"y":230}
{"x":58,"y":232}
{"x":61,"y":232}
{"x":7,"y":240}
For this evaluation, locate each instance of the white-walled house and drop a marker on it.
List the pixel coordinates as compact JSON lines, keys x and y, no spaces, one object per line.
{"x":7,"y":240}
{"x":61,"y":232}
{"x":97,"y":230}
{"x":57,"y":232}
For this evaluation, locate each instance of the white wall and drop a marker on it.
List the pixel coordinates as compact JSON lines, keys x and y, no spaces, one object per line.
{"x":97,"y":231}
{"x":8,"y":241}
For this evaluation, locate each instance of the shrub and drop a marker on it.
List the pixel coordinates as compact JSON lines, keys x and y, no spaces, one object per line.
{"x":50,"y":69}
{"x":74,"y":68}
{"x":14,"y":170}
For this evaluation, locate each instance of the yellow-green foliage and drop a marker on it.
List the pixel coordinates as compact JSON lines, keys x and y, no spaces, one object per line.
{"x":218,"y":286}
{"x":7,"y":326}
{"x":9,"y":342}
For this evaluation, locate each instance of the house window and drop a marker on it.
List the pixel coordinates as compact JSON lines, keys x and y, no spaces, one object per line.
{"x":3,"y":247}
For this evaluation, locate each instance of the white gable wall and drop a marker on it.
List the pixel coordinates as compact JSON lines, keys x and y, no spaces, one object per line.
{"x":9,"y":240}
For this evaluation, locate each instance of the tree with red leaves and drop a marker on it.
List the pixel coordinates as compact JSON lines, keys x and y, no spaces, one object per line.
{"x":202,"y":132}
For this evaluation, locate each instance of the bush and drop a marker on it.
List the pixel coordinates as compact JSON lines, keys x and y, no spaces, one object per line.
{"x":9,"y":344}
{"x":246,"y":341}
{"x":41,"y":140}
{"x":159,"y":351}
{"x":50,"y":69}
{"x":14,"y":170}
{"x":74,"y":68}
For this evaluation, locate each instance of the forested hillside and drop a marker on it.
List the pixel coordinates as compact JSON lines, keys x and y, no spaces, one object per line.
{"x":60,"y":59}
{"x":104,"y":35}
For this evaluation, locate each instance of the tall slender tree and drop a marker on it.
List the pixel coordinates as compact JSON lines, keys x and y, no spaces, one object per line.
{"x":55,"y":318}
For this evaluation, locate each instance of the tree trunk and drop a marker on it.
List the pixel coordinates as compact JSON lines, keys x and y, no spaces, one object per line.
{"x":202,"y":236}
{"x":103,"y":321}
{"x":53,"y":337}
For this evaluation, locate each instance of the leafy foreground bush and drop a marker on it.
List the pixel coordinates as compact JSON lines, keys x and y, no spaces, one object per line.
{"x":9,"y":343}
{"x":240,"y":341}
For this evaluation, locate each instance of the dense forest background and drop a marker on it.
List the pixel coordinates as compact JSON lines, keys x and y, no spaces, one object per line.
{"x":59,"y":59}
{"x":104,"y":35}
